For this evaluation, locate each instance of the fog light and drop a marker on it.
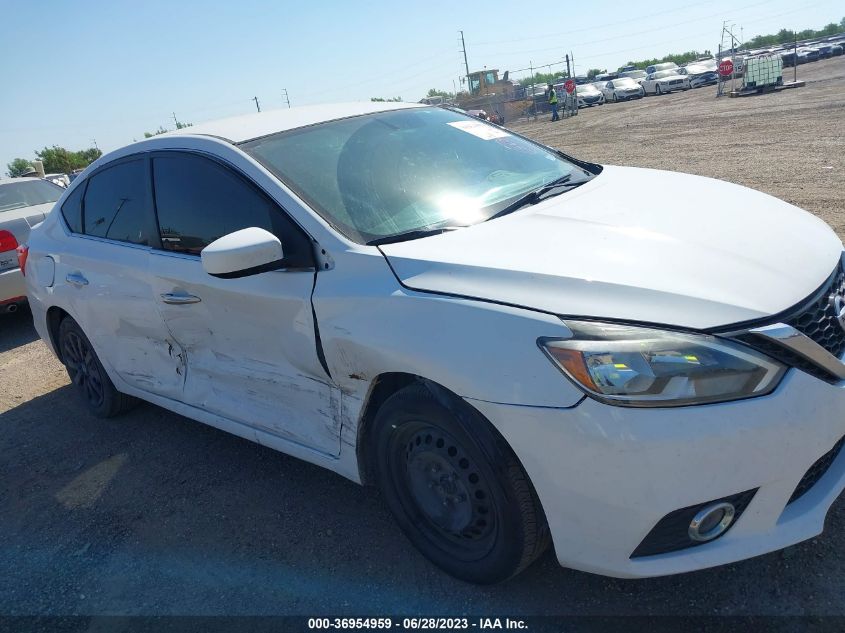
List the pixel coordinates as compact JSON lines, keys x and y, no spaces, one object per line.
{"x":711,"y":521}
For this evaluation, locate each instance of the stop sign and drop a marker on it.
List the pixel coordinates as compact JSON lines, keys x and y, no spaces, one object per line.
{"x":569,"y":86}
{"x":726,"y":67}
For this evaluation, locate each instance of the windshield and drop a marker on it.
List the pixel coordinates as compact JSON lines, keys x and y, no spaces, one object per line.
{"x":626,"y":83}
{"x":390,"y":173}
{"x":635,"y":73}
{"x":664,"y":73}
{"x":27,"y":193}
{"x":587,"y":88}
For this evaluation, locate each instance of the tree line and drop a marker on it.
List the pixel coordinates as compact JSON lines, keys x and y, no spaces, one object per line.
{"x":56,"y":160}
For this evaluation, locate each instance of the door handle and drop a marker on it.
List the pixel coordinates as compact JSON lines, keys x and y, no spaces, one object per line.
{"x":179,"y":299}
{"x":77,"y":280}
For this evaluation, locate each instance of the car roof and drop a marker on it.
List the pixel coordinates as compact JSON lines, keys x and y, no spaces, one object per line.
{"x":244,"y":128}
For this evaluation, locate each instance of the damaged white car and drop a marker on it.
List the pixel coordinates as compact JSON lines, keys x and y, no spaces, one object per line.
{"x":499,"y":336}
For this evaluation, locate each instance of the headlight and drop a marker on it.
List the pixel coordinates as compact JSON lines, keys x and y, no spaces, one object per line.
{"x":643,"y":367}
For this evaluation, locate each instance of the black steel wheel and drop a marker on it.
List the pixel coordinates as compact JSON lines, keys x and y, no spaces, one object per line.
{"x":455,"y":487}
{"x":87,"y":373}
{"x":83,"y":370}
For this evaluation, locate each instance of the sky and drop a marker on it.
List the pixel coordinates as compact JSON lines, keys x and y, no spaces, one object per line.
{"x":76,"y":72}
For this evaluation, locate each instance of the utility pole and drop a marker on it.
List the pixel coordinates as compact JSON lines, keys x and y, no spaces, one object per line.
{"x":94,"y":141}
{"x":568,"y":72}
{"x":175,"y":120}
{"x":287,"y":99}
{"x":257,"y":107}
{"x":466,"y":63}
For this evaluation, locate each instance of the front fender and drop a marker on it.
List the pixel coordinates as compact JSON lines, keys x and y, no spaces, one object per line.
{"x":371,"y":325}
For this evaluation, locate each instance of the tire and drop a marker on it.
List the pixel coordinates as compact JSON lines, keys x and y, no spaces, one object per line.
{"x":87,"y":375}
{"x":615,"y":98}
{"x":658,"y":90}
{"x":455,"y":487}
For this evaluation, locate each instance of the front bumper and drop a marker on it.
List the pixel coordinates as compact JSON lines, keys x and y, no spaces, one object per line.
{"x":607,"y":475}
{"x":12,"y":285}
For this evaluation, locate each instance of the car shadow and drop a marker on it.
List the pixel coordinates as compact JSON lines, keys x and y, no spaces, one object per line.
{"x":153,"y":513}
{"x":16,"y":329}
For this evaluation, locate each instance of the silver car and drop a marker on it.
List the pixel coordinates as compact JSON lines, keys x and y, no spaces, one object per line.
{"x":24,"y":202}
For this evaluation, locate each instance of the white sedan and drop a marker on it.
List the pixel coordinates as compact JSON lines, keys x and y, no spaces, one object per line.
{"x":622,"y":90}
{"x":589,"y":95}
{"x":498,"y":335}
{"x":665,"y":81}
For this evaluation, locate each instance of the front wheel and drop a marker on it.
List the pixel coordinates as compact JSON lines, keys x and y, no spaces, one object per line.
{"x":615,"y":98}
{"x":87,"y":374}
{"x":455,"y":487}
{"x":659,"y":90}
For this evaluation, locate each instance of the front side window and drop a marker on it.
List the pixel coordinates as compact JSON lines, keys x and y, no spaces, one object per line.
{"x":198,"y":201}
{"x":385,"y":174}
{"x":27,"y":193}
{"x":115,"y":205}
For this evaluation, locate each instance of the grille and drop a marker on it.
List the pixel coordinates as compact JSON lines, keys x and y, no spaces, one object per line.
{"x":816,"y":471}
{"x":818,"y":320}
{"x":672,"y":531}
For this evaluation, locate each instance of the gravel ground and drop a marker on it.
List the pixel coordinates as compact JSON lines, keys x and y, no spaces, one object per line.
{"x":153,"y":514}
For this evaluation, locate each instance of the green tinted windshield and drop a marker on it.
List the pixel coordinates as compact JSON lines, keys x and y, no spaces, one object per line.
{"x":383,"y":174}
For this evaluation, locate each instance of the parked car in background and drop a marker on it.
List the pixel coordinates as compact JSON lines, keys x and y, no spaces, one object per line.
{"x":837,"y":49}
{"x":662,"y":395}
{"x":658,"y":67}
{"x":24,"y":202}
{"x":62,"y":180}
{"x":635,"y":74}
{"x":589,"y":95}
{"x":806,"y":54}
{"x":622,"y":89}
{"x":825,"y":51}
{"x":698,"y":75}
{"x":788,"y":57}
{"x":665,"y":81}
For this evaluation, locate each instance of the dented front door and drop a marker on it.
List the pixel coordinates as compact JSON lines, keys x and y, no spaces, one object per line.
{"x":250,"y":348}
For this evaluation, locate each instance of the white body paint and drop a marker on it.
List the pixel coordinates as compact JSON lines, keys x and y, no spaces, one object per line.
{"x":465,"y":310}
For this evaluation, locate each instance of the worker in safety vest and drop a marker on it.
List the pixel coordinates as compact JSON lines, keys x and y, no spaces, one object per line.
{"x":553,"y":102}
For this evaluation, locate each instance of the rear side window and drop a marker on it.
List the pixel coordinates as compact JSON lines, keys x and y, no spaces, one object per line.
{"x":198,"y":201}
{"x":72,"y":209}
{"x":115,"y":204}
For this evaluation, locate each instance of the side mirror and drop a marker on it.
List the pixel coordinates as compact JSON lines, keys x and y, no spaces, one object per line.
{"x":242,"y":253}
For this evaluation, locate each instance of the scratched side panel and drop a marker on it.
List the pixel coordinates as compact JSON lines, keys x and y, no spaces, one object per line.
{"x":370,"y":325}
{"x":117,"y":312}
{"x":251,"y":350}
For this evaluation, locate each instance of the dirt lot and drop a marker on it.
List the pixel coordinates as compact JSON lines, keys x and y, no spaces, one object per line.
{"x":788,"y":144}
{"x":155,"y":514}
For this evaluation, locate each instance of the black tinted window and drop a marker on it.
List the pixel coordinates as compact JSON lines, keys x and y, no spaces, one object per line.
{"x":72,"y":209}
{"x":115,"y":205}
{"x":198,"y":201}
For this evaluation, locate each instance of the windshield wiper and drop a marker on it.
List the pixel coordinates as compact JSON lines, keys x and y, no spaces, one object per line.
{"x":533,"y":197}
{"x":410,"y":235}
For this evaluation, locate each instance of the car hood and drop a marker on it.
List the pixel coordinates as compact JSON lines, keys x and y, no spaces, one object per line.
{"x":698,"y":253}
